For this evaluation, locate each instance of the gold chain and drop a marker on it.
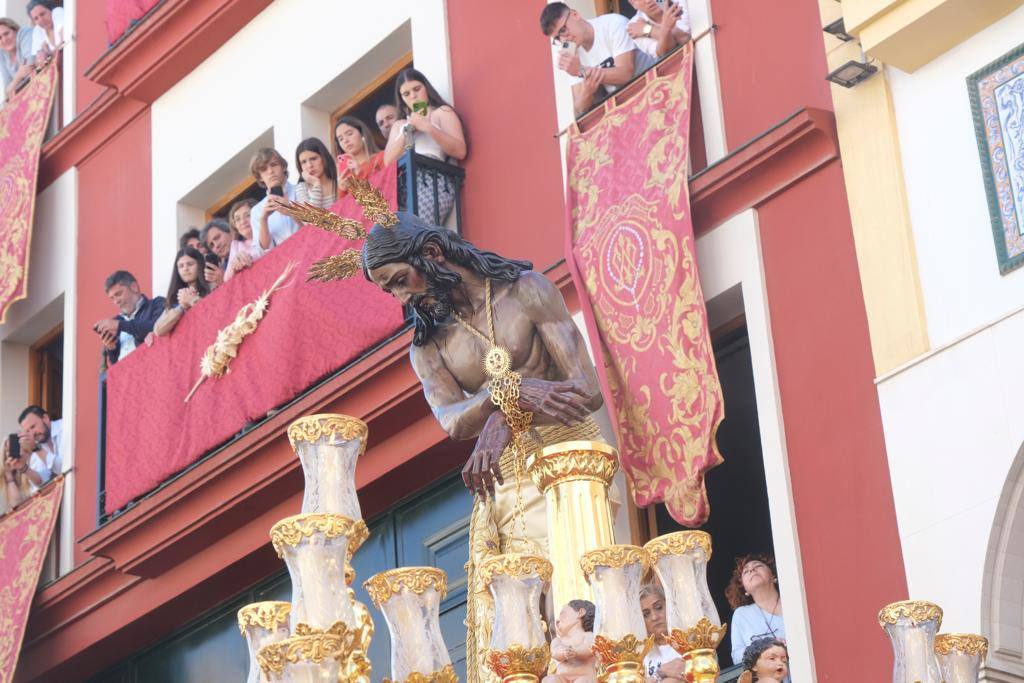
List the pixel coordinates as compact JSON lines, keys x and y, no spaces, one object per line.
{"x":504,"y":390}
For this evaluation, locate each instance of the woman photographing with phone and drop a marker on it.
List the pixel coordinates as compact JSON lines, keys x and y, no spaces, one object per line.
{"x":360,"y":157}
{"x":188,"y":286}
{"x":431,"y":127}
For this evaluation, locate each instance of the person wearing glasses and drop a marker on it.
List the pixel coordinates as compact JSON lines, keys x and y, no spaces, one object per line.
{"x":597,"y":54}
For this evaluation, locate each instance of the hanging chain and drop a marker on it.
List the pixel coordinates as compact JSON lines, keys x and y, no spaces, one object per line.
{"x":504,"y":390}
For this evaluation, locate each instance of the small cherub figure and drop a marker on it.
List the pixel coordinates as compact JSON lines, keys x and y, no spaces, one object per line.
{"x":572,"y":647}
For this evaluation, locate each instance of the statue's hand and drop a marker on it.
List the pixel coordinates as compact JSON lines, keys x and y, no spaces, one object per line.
{"x":483,"y":466}
{"x":556,"y":400}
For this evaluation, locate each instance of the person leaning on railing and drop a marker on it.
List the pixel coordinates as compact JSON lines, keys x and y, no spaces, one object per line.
{"x":136,"y":316}
{"x":188,"y":286}
{"x":270,"y":226}
{"x":48,"y":34}
{"x":244,"y":250}
{"x":597,"y":54}
{"x":360,"y":156}
{"x":431,"y":127}
{"x":658,"y":29}
{"x":15,"y":55}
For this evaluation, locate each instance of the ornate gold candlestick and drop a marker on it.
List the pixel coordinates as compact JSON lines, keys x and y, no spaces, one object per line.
{"x":620,"y":641}
{"x":960,"y":656}
{"x":519,"y":651}
{"x":261,"y":624}
{"x":328,"y":446}
{"x":574,"y":477}
{"x":410,"y":599}
{"x":310,"y":658}
{"x":911,"y":626}
{"x":694,"y":627}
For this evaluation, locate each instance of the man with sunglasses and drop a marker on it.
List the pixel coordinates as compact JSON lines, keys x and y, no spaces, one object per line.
{"x":597,"y":54}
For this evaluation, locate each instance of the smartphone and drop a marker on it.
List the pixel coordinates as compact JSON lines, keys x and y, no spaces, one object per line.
{"x":212,"y":259}
{"x":277,"y":191}
{"x":343,"y":161}
{"x":420,"y":107}
{"x":14,"y":447}
{"x":569,"y":47}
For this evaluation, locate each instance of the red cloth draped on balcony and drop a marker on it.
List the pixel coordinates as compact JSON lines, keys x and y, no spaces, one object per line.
{"x":121,"y":14}
{"x":22,"y":125}
{"x":310,"y":330}
{"x":24,"y":539}
{"x":632,"y":255}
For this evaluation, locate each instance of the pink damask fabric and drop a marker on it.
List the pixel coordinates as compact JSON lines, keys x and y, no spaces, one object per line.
{"x":632,"y":253}
{"x":22,"y":126}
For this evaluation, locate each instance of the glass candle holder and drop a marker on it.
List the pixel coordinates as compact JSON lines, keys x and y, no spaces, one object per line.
{"x":261,"y":624}
{"x":313,"y":658}
{"x":317,"y":548}
{"x":410,"y":599}
{"x":911,"y":626}
{"x":328,"y":446}
{"x":620,"y":637}
{"x":960,"y":656}
{"x":519,"y":650}
{"x":694,"y":627}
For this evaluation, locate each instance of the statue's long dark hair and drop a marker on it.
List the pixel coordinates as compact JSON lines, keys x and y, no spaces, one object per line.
{"x":404,"y":244}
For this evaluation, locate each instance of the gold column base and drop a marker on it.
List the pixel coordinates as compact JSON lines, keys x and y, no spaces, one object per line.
{"x":518,"y":664}
{"x":445,"y":675}
{"x":623,"y":659}
{"x":697,"y":646}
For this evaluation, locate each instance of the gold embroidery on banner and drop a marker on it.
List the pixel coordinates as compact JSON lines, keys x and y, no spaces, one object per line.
{"x":965,"y":643}
{"x":383,"y":586}
{"x":616,"y":557}
{"x":917,"y":611}
{"x":642,"y":279}
{"x":269,"y":615}
{"x":312,"y":428}
{"x":290,"y":531}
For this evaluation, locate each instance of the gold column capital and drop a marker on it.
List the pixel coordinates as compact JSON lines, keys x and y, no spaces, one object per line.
{"x":574,"y":461}
{"x":311,"y":428}
{"x":965,"y":643}
{"x":918,"y":611}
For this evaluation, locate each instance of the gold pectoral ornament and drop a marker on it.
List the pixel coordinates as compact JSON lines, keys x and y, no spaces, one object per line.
{"x":504,"y":390}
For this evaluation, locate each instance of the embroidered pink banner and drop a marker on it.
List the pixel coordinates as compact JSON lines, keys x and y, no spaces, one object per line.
{"x":24,"y":538}
{"x":22,"y":125}
{"x":631,"y":251}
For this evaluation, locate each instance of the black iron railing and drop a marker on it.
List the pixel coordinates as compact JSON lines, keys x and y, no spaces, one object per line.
{"x":430,"y":188}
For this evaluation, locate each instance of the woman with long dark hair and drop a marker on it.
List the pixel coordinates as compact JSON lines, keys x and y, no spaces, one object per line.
{"x":318,"y":184}
{"x":359,"y":156}
{"x":188,"y":286}
{"x":431,"y":127}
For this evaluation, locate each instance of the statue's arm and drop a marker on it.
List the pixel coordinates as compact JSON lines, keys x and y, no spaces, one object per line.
{"x":461,"y":416}
{"x":546,"y":307}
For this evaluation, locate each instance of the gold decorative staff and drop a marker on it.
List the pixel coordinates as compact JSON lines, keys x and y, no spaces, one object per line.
{"x":217,"y":359}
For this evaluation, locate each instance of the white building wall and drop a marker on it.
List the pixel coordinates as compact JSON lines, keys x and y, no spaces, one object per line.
{"x":276,"y":82}
{"x":951,"y":421}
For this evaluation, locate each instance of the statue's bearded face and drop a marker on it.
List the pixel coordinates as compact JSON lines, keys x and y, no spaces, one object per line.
{"x":430,"y":295}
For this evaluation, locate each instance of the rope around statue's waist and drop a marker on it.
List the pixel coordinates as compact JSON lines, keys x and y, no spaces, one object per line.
{"x":540,"y":437}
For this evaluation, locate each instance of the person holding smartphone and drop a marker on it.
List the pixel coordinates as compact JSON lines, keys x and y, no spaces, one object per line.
{"x":188,"y":285}
{"x":269,"y":224}
{"x":360,"y":157}
{"x":217,"y":237}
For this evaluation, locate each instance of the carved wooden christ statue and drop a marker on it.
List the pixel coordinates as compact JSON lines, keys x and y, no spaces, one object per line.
{"x":500,"y":360}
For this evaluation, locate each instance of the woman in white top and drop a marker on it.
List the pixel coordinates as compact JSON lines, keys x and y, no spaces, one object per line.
{"x":319,"y":176}
{"x":662,"y":663}
{"x":431,"y":127}
{"x":753,"y":593}
{"x":48,"y":34}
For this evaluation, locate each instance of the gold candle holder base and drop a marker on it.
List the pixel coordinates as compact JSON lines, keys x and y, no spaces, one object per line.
{"x":697,"y":646}
{"x":623,"y":659}
{"x":518,"y":664}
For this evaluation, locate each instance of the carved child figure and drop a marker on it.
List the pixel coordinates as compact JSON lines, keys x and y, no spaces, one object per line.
{"x":571,"y":648}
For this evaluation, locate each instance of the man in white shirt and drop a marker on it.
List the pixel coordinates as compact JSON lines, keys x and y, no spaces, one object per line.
{"x":270,"y":227}
{"x":596,"y":53}
{"x":659,"y":26}
{"x":42,"y":438}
